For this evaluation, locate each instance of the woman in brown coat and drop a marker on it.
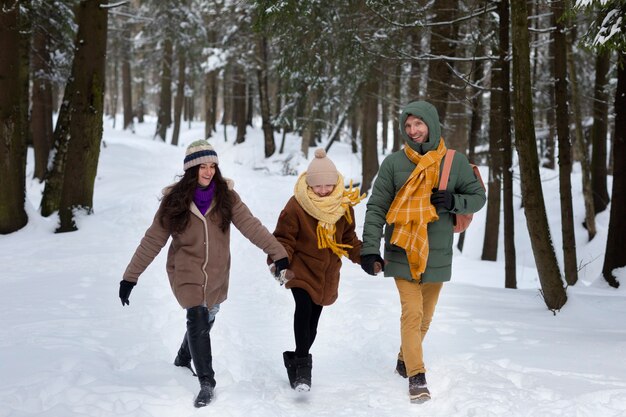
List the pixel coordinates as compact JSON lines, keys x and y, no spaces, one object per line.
{"x":197,"y":212}
{"x":317,"y":229}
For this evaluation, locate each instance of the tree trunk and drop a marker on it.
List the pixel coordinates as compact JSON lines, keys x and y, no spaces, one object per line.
{"x":354,"y":126}
{"x":441,"y":44}
{"x":41,"y":111}
{"x":492,"y":219}
{"x":599,"y":134}
{"x":384,"y":94}
{"x":140,"y":111}
{"x":264,"y":99}
{"x":239,"y":102}
{"x":476,"y":121}
{"x":180,"y":95}
{"x":549,"y":155}
{"x":369,"y":154}
{"x":309,"y":131}
{"x":536,"y":220}
{"x":496,"y":137}
{"x":80,"y":123}
{"x":210,"y":96}
{"x":164,"y":119}
{"x":227,"y":96}
{"x":503,"y":84}
{"x":415,"y":74}
{"x":127,"y":98}
{"x":249,"y":100}
{"x":616,"y":240}
{"x":395,"y":108}
{"x":562,"y":127}
{"x":13,"y":114}
{"x":583,"y":148}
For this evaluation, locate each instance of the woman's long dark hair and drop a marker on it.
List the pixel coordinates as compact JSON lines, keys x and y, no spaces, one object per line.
{"x":175,"y":207}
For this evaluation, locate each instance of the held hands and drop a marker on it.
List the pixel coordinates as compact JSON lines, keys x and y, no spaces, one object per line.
{"x":372,"y":264}
{"x":442,"y":199}
{"x":280,"y":272}
{"x":125,"y":288}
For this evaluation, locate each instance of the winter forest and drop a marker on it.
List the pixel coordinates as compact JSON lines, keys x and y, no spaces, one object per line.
{"x":541,"y":84}
{"x":100,"y":98}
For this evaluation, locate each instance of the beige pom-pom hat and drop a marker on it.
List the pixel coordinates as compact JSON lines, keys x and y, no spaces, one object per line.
{"x":321,"y":170}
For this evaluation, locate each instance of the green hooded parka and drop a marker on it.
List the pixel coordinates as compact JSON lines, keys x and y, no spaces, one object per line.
{"x":469,"y":197}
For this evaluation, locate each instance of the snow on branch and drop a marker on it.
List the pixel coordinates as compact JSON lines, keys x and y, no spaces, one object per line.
{"x":114,"y":5}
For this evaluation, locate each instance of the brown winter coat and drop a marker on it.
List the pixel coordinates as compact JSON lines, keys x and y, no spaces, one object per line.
{"x":316,"y":270}
{"x":198,"y":260}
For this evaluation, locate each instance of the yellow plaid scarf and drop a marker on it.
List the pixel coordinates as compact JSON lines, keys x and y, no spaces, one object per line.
{"x":328,"y":210}
{"x":411,"y":210}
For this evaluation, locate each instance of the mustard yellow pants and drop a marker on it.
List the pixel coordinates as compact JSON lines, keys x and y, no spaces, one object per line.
{"x":418,"y":306}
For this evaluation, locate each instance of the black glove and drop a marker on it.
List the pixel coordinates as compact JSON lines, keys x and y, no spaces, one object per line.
{"x":125,"y":288}
{"x":282,"y":263}
{"x":368,"y":261}
{"x":442,"y":199}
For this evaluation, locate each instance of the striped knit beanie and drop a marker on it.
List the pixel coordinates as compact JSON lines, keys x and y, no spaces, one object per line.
{"x":200,"y":152}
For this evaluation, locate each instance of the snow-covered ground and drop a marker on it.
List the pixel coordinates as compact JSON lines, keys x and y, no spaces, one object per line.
{"x":68,"y":347}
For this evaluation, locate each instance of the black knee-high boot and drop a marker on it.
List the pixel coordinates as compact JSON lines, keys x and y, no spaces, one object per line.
{"x":303,"y":373}
{"x":183,"y":358}
{"x":199,"y":343}
{"x":289,"y":359}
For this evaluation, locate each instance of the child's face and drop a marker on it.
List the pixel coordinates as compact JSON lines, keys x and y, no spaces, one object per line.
{"x":323,"y":190}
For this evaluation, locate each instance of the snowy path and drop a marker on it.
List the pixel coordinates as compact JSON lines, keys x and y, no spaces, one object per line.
{"x":68,"y":348}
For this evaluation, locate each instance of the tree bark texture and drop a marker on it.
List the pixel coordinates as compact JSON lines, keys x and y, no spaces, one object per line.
{"x":13,"y":127}
{"x":442,"y":44}
{"x":496,"y":123}
{"x":582,"y":146}
{"x":615,"y":256}
{"x":41,"y":111}
{"x":264,"y":100}
{"x":239,"y":102}
{"x":384,"y":104}
{"x":503,"y":63}
{"x":599,"y":134}
{"x":78,"y":133}
{"x":164,"y":119}
{"x":536,"y":220}
{"x":309,"y":130}
{"x":395,"y":108}
{"x":180,"y":95}
{"x":565,"y":152}
{"x":369,"y":131}
{"x":227,"y":96}
{"x":127,"y":95}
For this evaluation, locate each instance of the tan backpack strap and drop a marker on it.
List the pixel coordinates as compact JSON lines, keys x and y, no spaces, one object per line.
{"x":447,"y":165}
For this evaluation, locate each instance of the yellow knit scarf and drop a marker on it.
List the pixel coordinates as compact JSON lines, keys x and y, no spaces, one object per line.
{"x":411,"y":210}
{"x":328,"y":210}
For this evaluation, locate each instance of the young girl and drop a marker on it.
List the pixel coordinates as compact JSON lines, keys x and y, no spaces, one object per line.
{"x":317,"y":229}
{"x":197,"y":212}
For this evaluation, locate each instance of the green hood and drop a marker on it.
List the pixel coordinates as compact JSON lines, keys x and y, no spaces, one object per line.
{"x":428,"y":113}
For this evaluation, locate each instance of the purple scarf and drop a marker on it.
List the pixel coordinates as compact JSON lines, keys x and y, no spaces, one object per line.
{"x":203,"y":197}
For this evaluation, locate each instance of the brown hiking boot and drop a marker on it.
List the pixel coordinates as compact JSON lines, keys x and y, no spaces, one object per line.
{"x":401,"y":368}
{"x":418,"y":391}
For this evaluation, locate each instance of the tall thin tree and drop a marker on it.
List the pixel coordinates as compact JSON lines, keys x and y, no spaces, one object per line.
{"x":563,"y":133}
{"x":534,"y":207}
{"x":616,"y":239}
{"x":599,"y":133}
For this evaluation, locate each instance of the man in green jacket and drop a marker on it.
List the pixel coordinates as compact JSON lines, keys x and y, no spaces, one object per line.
{"x":418,"y":221}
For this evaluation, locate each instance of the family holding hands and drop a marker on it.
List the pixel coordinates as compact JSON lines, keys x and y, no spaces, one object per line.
{"x":315,"y":229}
